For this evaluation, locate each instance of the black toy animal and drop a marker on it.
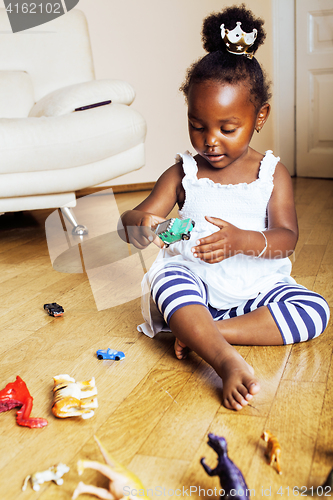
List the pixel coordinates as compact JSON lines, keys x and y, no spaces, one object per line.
{"x":231,"y":479}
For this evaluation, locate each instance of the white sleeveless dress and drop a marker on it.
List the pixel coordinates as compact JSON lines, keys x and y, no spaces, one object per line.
{"x":237,"y":278}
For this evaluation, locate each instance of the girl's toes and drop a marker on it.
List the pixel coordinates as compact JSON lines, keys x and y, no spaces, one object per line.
{"x":242,"y":390}
{"x":235,"y":401}
{"x":232,"y":404}
{"x":237,"y":406}
{"x":239,"y":383}
{"x":253,"y":388}
{"x":244,"y":394}
{"x":227,"y":404}
{"x":181,"y":350}
{"x":239,"y":398}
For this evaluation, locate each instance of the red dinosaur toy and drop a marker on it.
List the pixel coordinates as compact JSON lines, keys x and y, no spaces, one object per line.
{"x":16,"y":394}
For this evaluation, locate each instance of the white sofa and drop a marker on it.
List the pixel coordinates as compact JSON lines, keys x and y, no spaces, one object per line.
{"x":48,"y":151}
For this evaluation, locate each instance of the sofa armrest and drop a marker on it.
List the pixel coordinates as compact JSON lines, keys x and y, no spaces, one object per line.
{"x":67,"y":99}
{"x":70,"y":140}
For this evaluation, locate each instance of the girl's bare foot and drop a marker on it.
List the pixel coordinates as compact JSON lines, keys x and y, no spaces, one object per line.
{"x":239,"y":383}
{"x":181,"y":350}
{"x":195,"y":329}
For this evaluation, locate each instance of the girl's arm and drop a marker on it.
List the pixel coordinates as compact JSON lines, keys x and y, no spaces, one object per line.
{"x":281,"y":234}
{"x":154,"y":209}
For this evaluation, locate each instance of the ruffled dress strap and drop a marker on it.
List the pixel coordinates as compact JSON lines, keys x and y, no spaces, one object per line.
{"x":267,"y":166}
{"x":189,"y":164}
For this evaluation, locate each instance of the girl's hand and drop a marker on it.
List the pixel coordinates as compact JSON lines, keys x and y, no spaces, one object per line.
{"x":225,"y":243}
{"x":139,"y":228}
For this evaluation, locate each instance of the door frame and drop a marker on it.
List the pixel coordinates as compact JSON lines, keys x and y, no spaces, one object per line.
{"x":284,"y":82}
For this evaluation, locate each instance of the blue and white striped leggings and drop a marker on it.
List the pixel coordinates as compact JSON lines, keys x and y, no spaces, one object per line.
{"x":299,"y":313}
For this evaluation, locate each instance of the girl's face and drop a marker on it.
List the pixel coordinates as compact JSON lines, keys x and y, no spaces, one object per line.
{"x":222,"y":120}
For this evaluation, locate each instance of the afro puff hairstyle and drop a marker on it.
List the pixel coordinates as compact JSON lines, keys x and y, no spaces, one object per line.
{"x":227,"y":68}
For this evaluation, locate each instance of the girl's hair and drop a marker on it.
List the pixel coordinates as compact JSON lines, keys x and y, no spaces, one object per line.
{"x":224,"y":67}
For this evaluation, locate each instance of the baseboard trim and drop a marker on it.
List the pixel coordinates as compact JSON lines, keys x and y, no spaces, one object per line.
{"x":121,"y":188}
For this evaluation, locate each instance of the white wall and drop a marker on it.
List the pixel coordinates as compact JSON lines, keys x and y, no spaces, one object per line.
{"x":150,"y":43}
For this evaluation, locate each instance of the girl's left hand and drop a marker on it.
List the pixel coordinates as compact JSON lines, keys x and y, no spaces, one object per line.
{"x":220,"y":245}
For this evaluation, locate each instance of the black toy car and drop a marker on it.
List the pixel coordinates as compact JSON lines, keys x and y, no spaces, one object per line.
{"x":54,"y":309}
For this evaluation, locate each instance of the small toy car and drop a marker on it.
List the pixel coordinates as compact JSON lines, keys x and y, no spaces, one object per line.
{"x":54,"y":309}
{"x":110,"y":354}
{"x":173,"y":230}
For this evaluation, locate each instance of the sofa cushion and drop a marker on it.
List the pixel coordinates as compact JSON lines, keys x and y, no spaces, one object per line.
{"x":16,"y":94}
{"x":70,"y":140}
{"x":67,"y":99}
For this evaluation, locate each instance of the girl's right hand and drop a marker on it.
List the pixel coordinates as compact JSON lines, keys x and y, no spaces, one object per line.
{"x":139,"y":228}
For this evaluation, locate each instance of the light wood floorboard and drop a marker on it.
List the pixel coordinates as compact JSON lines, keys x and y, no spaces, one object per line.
{"x":154,"y":411}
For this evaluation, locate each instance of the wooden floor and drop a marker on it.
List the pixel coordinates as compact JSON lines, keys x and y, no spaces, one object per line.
{"x":154,"y":411}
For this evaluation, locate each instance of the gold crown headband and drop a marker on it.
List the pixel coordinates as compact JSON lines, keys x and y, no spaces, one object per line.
{"x":237,"y":41}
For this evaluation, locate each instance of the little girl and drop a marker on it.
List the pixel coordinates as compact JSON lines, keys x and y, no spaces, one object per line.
{"x":230,"y":283}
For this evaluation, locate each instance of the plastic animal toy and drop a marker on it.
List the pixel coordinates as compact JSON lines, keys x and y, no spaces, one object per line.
{"x":123,"y":483}
{"x":273,"y":449}
{"x":173,"y":230}
{"x":110,"y":354}
{"x":54,"y":309}
{"x":16,"y":394}
{"x":54,"y":473}
{"x":70,"y":397}
{"x":231,"y":478}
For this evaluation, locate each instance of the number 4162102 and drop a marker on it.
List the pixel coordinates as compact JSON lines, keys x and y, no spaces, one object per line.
{"x":303,"y":491}
{"x":35,"y":8}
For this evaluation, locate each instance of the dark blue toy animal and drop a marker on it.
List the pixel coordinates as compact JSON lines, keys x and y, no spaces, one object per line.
{"x":231,"y":478}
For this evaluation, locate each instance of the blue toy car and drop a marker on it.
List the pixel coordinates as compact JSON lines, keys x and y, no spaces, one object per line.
{"x":110,"y":354}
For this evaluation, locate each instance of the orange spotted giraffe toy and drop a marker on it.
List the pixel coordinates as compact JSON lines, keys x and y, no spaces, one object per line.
{"x":273,"y":449}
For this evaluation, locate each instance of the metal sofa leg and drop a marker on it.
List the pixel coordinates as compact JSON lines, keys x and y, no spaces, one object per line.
{"x":78,"y":229}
